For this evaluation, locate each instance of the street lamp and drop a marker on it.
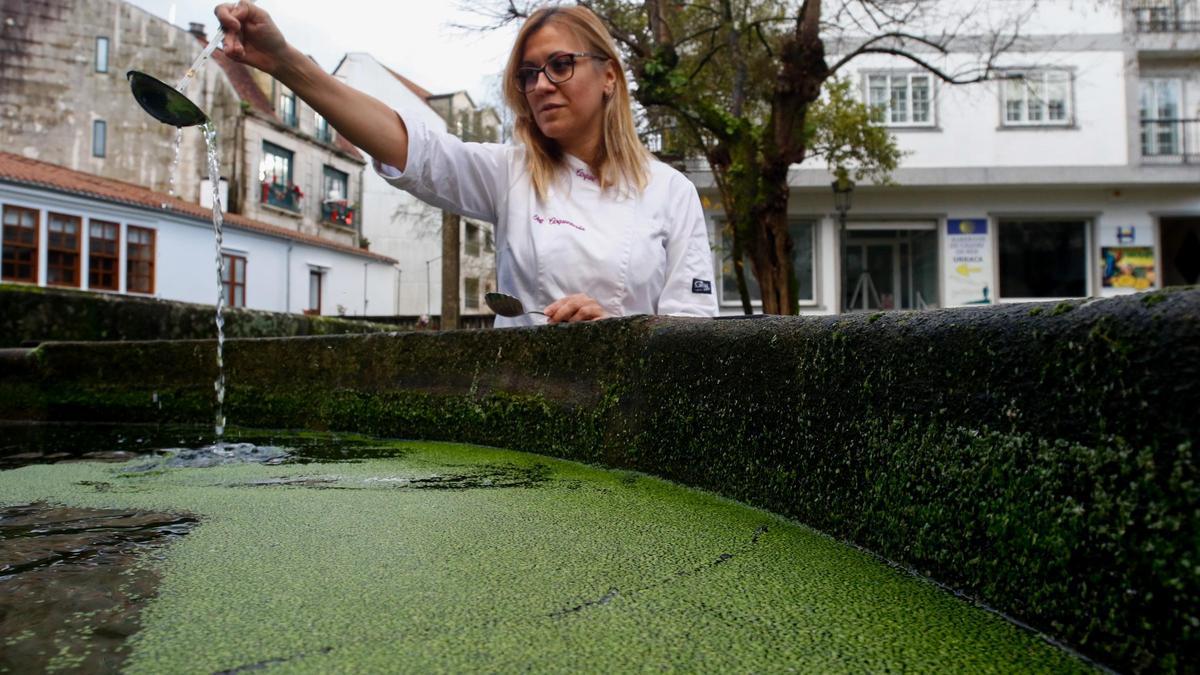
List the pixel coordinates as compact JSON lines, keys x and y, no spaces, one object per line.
{"x":843,"y":187}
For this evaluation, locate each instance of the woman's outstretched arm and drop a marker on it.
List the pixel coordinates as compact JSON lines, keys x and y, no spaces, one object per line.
{"x":252,"y":38}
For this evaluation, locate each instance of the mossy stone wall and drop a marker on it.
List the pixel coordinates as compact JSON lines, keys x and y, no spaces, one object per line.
{"x":34,"y":314}
{"x":1042,"y":458}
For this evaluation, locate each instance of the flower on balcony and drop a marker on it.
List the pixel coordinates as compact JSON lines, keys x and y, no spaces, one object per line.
{"x":283,"y":195}
{"x":338,"y":211}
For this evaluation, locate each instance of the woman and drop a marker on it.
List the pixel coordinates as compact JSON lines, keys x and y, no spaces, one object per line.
{"x":588,"y":224}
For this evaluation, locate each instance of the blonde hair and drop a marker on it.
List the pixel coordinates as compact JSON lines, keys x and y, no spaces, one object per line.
{"x":622,"y":160}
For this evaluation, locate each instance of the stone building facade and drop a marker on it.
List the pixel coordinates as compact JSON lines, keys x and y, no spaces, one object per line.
{"x":64,"y":99}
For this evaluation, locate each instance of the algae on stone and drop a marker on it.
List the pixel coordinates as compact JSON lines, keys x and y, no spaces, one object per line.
{"x":350,"y":567}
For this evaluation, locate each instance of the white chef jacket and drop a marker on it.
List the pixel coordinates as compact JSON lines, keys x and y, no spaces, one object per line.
{"x":633,"y":254}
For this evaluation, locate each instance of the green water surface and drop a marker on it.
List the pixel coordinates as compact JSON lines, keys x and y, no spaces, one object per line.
{"x":451,"y":558}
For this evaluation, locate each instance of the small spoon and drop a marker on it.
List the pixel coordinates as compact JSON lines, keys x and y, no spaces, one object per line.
{"x":506,"y":305}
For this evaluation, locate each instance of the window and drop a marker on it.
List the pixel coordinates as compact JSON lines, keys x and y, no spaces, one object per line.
{"x":1043,"y":259}
{"x":324,"y":131}
{"x":99,"y":138}
{"x":275,"y":177}
{"x":20,"y":244}
{"x":471,"y":240}
{"x":336,"y":185}
{"x":62,"y":250}
{"x":1162,"y":16}
{"x":1037,"y":98}
{"x":314,"y":292}
{"x":103,"y":254}
{"x":1162,"y":128}
{"x":335,"y":207}
{"x":489,"y":243}
{"x":233,"y":280}
{"x":803,"y":242}
{"x":900,"y":99}
{"x":471,"y":293}
{"x":287,"y":108}
{"x":139,"y":260}
{"x":101,"y":55}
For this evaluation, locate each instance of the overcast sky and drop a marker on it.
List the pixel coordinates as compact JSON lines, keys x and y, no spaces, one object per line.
{"x":413,"y":37}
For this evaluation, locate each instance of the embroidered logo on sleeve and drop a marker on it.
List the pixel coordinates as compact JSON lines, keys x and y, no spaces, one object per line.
{"x":702,"y":286}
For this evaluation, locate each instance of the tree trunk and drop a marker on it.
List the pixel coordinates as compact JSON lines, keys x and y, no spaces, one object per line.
{"x":450,"y":276}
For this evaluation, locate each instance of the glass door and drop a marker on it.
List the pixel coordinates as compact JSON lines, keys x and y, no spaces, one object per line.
{"x":890,"y":269}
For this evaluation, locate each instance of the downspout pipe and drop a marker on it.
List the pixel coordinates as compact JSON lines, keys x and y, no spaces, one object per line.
{"x":287,"y":284}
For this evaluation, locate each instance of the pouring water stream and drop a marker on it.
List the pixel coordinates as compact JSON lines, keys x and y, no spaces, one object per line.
{"x":171,"y":106}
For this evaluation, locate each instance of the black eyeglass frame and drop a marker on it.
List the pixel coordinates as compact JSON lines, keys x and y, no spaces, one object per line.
{"x":530,"y":74}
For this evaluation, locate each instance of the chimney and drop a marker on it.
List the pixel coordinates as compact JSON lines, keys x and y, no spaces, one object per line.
{"x":196,"y":28}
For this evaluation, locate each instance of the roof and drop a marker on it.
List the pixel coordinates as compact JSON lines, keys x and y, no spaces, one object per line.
{"x":249,"y":91}
{"x":24,"y":171}
{"x":412,"y":86}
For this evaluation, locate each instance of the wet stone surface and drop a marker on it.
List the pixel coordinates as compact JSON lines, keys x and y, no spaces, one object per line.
{"x":73,"y":582}
{"x":23,"y":444}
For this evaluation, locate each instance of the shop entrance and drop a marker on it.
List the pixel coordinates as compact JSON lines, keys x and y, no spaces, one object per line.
{"x":1180,"y":251}
{"x":890,"y":267}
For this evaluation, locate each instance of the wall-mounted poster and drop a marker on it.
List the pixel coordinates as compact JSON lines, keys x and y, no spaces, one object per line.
{"x":1127,"y":267}
{"x":968,"y":263}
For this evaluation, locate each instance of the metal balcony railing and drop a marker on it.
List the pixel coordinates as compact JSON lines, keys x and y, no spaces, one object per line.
{"x":1171,"y":141}
{"x":1180,"y":19}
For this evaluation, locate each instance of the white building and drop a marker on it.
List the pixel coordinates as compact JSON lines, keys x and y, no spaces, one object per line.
{"x":1076,"y":173}
{"x":71,"y":229}
{"x":401,"y":226}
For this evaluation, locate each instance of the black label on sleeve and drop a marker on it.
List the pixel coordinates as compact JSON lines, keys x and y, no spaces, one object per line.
{"x":702,"y":286}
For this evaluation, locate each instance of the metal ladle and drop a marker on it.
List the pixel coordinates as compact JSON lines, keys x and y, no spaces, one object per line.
{"x":164,"y":103}
{"x":506,"y":305}
{"x":168,"y":104}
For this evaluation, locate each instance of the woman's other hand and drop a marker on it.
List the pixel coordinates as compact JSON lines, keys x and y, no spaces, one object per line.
{"x":578,"y":307}
{"x":251,"y":36}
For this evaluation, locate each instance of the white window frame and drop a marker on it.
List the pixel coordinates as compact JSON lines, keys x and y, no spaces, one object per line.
{"x":1150,"y":144}
{"x":721,"y":252}
{"x":1037,"y":77}
{"x":888,"y":112}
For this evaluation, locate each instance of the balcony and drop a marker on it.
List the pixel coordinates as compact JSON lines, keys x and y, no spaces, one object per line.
{"x":1168,"y":141}
{"x":282,"y":196}
{"x":1183,"y":19}
{"x":337,"y":213}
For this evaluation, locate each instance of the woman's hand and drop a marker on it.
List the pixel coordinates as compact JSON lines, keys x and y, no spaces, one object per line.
{"x":251,"y":37}
{"x":578,"y":307}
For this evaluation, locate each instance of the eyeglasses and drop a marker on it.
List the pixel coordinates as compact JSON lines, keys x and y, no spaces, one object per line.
{"x":559,"y":69}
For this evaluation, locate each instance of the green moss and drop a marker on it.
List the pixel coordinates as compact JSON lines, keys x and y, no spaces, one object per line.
{"x":586,"y":570}
{"x":1152,"y":299}
{"x":1035,"y":311}
{"x":997,"y":453}
{"x":1062,"y":308}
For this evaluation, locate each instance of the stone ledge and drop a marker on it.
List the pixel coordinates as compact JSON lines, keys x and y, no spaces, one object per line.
{"x":1041,"y":458}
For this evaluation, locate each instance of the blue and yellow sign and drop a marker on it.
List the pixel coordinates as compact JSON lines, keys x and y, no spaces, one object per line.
{"x":967,"y":226}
